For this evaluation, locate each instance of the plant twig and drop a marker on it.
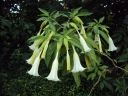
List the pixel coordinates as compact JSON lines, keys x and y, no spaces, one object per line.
{"x":114,"y":62}
{"x":104,"y":71}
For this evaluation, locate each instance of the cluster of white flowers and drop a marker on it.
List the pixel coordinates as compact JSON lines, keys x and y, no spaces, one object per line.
{"x":35,"y":61}
{"x":39,"y":53}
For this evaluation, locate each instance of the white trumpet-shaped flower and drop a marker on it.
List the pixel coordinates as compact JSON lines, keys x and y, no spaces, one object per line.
{"x":68,"y":61}
{"x":53,"y":74}
{"x":111,"y":45}
{"x":34,"y":55}
{"x":83,"y":43}
{"x":77,"y":65}
{"x":34,"y":69}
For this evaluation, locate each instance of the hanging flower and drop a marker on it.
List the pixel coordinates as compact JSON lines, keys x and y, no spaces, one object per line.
{"x":34,"y":70}
{"x":111,"y":45}
{"x":34,"y":55}
{"x":68,"y":61}
{"x":53,"y":74}
{"x":83,"y":43}
{"x":77,"y":65}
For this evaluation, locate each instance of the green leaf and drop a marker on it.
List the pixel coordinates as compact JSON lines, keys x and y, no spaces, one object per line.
{"x":108,"y":85}
{"x":96,"y":69}
{"x":44,"y":11}
{"x":43,"y":23}
{"x":75,"y":11}
{"x":65,"y":15}
{"x":77,"y":78}
{"x":91,"y":24}
{"x":99,"y":72}
{"x":104,"y":35}
{"x":123,"y":57}
{"x":91,"y":69}
{"x":2,"y":33}
{"x":101,"y":85}
{"x":126,"y":68}
{"x":103,"y":26}
{"x":125,"y":21}
{"x":119,"y":38}
{"x":6,"y":23}
{"x":59,"y":43}
{"x":76,"y":43}
{"x":92,"y":56}
{"x":83,"y":74}
{"x":57,"y":14}
{"x":50,"y":50}
{"x":95,"y":20}
{"x":34,"y":38}
{"x":66,"y":43}
{"x":66,"y":32}
{"x":101,"y":20}
{"x":91,"y":42}
{"x":96,"y":29}
{"x":41,"y":19}
{"x":91,"y":76}
{"x":103,"y":67}
{"x":85,"y":13}
{"x":52,"y":26}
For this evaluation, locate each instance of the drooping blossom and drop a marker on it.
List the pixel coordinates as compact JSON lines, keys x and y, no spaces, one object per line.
{"x":53,"y":73}
{"x":77,"y":65}
{"x":34,"y":69}
{"x":83,"y":43}
{"x":111,"y":45}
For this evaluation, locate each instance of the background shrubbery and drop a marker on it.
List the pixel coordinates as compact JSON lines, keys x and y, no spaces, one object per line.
{"x":16,"y":28}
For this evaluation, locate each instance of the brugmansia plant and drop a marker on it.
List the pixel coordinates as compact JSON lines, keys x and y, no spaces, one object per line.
{"x":65,"y":43}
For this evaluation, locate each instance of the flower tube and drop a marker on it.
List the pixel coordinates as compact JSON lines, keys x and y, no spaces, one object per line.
{"x":77,"y":65}
{"x":53,"y":74}
{"x":111,"y":45}
{"x":83,"y":43}
{"x":34,"y":70}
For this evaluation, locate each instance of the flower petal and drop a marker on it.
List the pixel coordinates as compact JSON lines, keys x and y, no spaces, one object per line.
{"x":34,"y":70}
{"x":111,"y":45}
{"x":53,"y":74}
{"x":83,"y":43}
{"x":77,"y":65}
